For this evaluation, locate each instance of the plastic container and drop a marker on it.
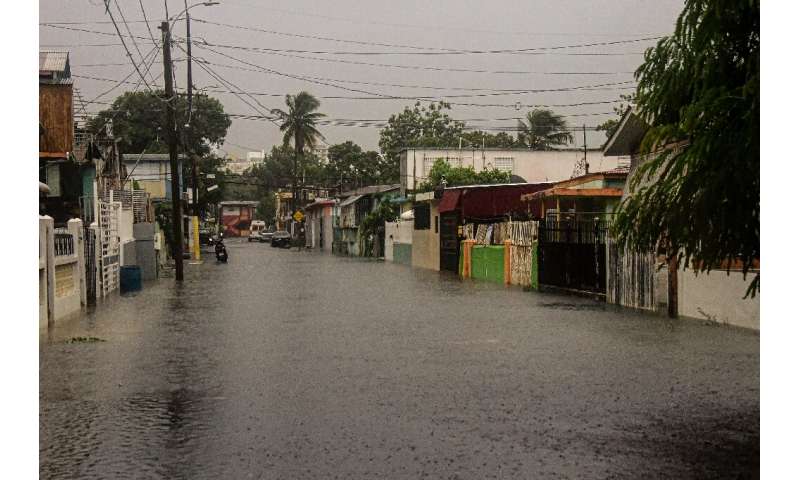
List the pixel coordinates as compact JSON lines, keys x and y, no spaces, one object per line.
{"x":130,"y":279}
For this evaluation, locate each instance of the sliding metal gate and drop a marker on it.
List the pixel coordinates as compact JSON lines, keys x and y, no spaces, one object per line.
{"x":572,"y":255}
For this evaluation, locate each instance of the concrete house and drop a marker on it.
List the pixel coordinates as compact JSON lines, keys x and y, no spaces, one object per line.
{"x":352,"y":208}
{"x":319,"y":224}
{"x":151,"y":171}
{"x":526,"y":166}
{"x":594,"y":195}
{"x":715,"y":296}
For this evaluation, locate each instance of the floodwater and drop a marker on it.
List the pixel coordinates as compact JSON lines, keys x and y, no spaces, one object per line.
{"x":285,"y":364}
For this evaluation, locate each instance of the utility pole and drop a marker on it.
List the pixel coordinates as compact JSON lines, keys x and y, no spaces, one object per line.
{"x":172,"y":140}
{"x":195,"y":210}
{"x":585,"y":159}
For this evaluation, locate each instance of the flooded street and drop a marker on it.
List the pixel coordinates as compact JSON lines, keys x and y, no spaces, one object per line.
{"x":285,"y":364}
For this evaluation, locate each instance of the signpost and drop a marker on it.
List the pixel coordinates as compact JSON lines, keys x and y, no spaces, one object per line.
{"x":298,"y":216}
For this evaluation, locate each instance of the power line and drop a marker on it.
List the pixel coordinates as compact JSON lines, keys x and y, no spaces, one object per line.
{"x":396,"y":66}
{"x":423,"y":48}
{"x":149,"y":30}
{"x":135,"y":45}
{"x":599,"y":87}
{"x":441,"y":27}
{"x":111,"y":16}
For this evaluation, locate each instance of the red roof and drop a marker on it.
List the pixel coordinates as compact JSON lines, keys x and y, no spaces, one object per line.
{"x":489,"y":201}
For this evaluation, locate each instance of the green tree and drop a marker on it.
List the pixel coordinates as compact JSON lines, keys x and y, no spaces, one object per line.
{"x":542,"y":130}
{"x":699,"y":91}
{"x":419,"y":126}
{"x":299,"y":124}
{"x":459,"y":176}
{"x":138,"y":121}
{"x":480,"y":139}
{"x":610,"y":125}
{"x":351,"y":166}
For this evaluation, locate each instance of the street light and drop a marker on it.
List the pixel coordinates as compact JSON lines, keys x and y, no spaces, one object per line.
{"x":195,"y":221}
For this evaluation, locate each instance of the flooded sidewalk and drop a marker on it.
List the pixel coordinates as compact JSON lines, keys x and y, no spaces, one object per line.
{"x":286,"y":364}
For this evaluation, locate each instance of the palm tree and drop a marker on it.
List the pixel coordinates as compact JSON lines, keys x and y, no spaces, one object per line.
{"x":543,"y":130}
{"x":299,"y":123}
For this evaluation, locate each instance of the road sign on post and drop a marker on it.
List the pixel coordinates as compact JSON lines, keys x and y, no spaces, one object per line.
{"x":298,"y":216}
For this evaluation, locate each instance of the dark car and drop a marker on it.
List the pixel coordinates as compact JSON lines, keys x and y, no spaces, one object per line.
{"x":265,"y":236}
{"x":281,"y":238}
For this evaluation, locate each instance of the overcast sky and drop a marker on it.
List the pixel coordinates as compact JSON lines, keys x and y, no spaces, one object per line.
{"x":358,"y":26}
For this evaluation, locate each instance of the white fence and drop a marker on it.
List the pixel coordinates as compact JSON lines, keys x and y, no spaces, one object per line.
{"x":62,"y":276}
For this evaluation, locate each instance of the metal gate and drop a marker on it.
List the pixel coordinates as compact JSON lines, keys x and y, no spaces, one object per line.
{"x":449,"y":246}
{"x":572,"y":255}
{"x":109,"y":246}
{"x":631,"y":277}
{"x":90,"y":261}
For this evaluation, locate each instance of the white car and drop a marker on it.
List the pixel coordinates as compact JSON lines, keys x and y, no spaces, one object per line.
{"x":255,"y":230}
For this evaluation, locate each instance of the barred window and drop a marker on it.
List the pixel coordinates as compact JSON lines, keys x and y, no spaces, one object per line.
{"x":422,"y":216}
{"x":504,"y":164}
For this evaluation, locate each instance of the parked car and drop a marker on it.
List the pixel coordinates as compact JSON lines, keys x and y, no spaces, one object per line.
{"x":266,"y":236}
{"x":281,"y":238}
{"x":256,"y":226}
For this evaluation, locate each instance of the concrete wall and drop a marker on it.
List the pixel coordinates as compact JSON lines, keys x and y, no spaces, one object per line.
{"x":62,"y":278}
{"x":533,"y":166}
{"x":425,"y":250}
{"x":718,"y":296}
{"x":398,"y":233}
{"x":402,"y":253}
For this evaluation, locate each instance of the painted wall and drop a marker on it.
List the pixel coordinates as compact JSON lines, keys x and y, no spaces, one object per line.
{"x":533,"y":166}
{"x":488,"y":263}
{"x":425,"y":250}
{"x":397,"y":233}
{"x":718,"y":296}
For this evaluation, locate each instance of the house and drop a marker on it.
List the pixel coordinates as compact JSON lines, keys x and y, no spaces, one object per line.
{"x":594,"y":195}
{"x":319,"y":224}
{"x":151,"y":171}
{"x":353,"y":207}
{"x":526,"y":166}
{"x":638,"y":279}
{"x":57,"y":136}
{"x":478,"y":204}
{"x":235,"y":217}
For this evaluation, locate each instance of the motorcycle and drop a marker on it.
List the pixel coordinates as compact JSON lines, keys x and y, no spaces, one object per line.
{"x":221,"y":252}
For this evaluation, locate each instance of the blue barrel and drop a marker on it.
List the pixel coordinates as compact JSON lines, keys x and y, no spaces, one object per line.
{"x":130,"y":279}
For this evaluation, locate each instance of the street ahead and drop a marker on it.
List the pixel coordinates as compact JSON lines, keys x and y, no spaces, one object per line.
{"x":285,"y":364}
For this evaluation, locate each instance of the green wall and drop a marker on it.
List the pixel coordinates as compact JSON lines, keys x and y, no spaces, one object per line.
{"x":401,"y":253}
{"x":487,"y":263}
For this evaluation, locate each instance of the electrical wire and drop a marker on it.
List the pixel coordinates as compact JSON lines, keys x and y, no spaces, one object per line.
{"x":397,"y":66}
{"x":423,"y":48}
{"x":119,"y":34}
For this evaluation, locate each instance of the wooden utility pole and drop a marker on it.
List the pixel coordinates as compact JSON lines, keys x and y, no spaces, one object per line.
{"x":585,"y":157}
{"x":172,"y":140}
{"x":195,"y":237}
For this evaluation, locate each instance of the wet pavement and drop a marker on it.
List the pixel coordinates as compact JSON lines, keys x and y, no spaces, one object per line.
{"x":285,"y":364}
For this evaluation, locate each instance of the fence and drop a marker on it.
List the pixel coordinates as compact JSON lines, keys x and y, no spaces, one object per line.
{"x":503,"y":252}
{"x":572,"y":255}
{"x":62,"y":283}
{"x":631,"y":278}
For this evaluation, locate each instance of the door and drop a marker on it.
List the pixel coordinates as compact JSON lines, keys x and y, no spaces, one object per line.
{"x":449,"y":244}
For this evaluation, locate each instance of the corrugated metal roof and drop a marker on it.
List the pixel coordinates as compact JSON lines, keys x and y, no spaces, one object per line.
{"x":52,"y":61}
{"x":149,"y":157}
{"x":350,"y":200}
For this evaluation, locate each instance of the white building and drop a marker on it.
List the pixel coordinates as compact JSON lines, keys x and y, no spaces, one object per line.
{"x":239,"y":165}
{"x":530,"y":166}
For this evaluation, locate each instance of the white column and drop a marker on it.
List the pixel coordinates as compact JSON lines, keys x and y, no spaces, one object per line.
{"x":75,"y":227}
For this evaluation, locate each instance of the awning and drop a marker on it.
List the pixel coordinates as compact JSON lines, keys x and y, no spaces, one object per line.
{"x":449,"y":200}
{"x":350,"y":200}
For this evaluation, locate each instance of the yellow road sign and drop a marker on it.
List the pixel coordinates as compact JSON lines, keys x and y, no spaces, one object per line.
{"x":298,"y":216}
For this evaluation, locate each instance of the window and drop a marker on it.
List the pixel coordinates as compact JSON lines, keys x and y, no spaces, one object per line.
{"x":436,"y":224}
{"x":504,"y":164}
{"x":427,"y":163}
{"x":422,"y":216}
